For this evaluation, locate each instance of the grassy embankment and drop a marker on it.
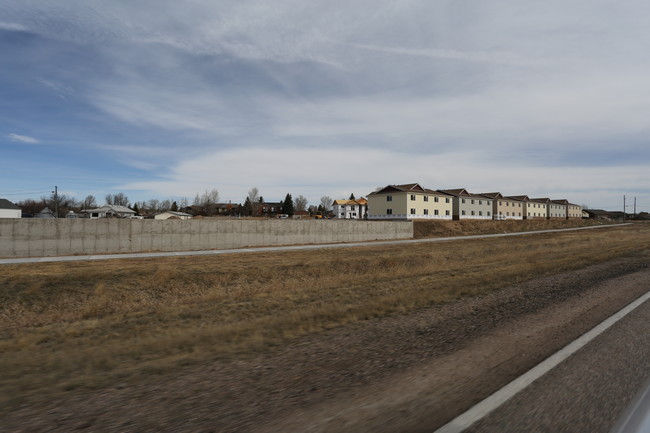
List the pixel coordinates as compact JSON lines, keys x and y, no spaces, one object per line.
{"x":74,"y":325}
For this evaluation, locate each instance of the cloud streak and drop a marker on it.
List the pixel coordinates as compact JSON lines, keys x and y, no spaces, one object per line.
{"x":22,"y":139}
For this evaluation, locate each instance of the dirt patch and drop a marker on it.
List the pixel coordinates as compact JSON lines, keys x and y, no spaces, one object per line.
{"x":406,"y":373}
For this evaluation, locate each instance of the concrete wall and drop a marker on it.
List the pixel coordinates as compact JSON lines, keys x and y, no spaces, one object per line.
{"x":59,"y":237}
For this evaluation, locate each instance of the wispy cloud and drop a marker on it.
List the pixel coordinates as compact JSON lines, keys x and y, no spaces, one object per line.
{"x":23,"y":138}
{"x":439,"y":53}
{"x":13,"y":27}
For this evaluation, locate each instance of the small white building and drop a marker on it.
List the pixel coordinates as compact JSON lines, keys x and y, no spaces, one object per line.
{"x":9,"y":210}
{"x":110,"y":210}
{"x":172,"y":214}
{"x":350,"y":209}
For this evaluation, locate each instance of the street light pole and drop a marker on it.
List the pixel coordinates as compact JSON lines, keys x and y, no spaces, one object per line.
{"x":56,"y":201}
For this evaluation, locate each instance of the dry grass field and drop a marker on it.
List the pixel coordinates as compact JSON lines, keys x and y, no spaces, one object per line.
{"x":80,"y":325}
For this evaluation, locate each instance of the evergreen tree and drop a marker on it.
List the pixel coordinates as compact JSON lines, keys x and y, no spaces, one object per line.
{"x":136,"y":209}
{"x":352,"y":196}
{"x":287,"y":205}
{"x":248,"y":206}
{"x":174,"y":207}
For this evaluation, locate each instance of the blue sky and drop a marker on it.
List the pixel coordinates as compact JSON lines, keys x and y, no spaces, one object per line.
{"x":166,"y":99}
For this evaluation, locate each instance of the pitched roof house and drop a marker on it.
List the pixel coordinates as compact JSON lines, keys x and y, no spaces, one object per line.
{"x":350,"y":209}
{"x":469,"y":206}
{"x":505,"y":208}
{"x":110,"y":210}
{"x":409,"y":201}
{"x":9,"y":210}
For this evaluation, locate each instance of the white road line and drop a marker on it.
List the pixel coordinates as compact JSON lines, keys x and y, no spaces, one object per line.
{"x":482,"y":409}
{"x":279,"y":248}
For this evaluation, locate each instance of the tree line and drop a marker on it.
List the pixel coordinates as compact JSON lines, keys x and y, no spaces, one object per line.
{"x":204,"y":204}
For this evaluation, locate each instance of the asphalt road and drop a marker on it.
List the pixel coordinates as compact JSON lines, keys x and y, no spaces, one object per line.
{"x":589,"y":391}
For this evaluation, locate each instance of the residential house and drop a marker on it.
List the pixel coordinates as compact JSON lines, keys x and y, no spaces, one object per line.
{"x":45,"y":213}
{"x":555,"y":209}
{"x":350,"y":209}
{"x":532,"y":209}
{"x":469,"y":206}
{"x":409,"y":201}
{"x":574,"y":211}
{"x":110,"y":211}
{"x":505,"y":208}
{"x":172,"y":214}
{"x":9,"y":210}
{"x":269,"y":209}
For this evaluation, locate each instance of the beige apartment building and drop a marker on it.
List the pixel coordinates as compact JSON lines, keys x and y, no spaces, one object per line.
{"x":504,"y":208}
{"x":574,"y":211}
{"x":554,"y":209}
{"x":409,"y":201}
{"x":468,"y":205}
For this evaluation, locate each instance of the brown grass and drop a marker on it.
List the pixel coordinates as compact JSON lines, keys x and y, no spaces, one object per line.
{"x":88,"y":324}
{"x":433,"y":228}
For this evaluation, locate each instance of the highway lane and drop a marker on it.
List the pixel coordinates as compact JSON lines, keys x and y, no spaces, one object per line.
{"x":589,"y":391}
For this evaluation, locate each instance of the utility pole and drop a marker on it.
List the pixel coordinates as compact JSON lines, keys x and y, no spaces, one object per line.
{"x":635,"y":208}
{"x":56,"y":201}
{"x":623,"y":207}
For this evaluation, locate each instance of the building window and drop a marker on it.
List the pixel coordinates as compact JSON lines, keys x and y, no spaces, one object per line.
{"x":462,"y":212}
{"x":426,"y":211}
{"x":426,"y":198}
{"x":412,"y":197}
{"x":389,"y":211}
{"x":446,"y":199}
{"x":463,"y":200}
{"x":488,"y":213}
{"x":472,"y":201}
{"x":389,"y":198}
{"x":435,"y":199}
{"x":472,"y":213}
{"x":412,"y":211}
{"x":435,"y":211}
{"x":447,"y":212}
{"x":480,"y":202}
{"x":480,"y":213}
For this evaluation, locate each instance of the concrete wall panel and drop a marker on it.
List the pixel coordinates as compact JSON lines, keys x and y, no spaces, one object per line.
{"x":41,"y":237}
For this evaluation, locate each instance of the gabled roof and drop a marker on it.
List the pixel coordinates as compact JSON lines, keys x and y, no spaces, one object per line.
{"x":407,"y":187}
{"x":112,"y":207}
{"x":518,"y":197}
{"x":561,"y":201}
{"x":544,"y":199}
{"x":456,"y":192}
{"x":360,"y":201}
{"x":461,"y":192}
{"x":492,"y":195}
{"x":175,"y":213}
{"x":6,"y":204}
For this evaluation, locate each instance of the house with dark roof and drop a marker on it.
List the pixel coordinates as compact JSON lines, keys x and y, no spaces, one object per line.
{"x":469,"y":206}
{"x":9,"y":210}
{"x":504,"y":208}
{"x":409,"y":201}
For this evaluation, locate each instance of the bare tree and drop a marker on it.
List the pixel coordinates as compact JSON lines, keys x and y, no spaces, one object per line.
{"x":89,"y":202}
{"x":165,"y":205}
{"x":254,"y":200}
{"x":300,"y":204}
{"x":326,"y":202}
{"x":119,"y":199}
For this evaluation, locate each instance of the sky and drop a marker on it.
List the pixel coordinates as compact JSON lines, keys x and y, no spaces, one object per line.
{"x":166,"y":99}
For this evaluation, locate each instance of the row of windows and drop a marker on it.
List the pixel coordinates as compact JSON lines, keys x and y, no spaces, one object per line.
{"x":426,"y":198}
{"x":479,"y":202}
{"x":508,"y":204}
{"x":480,"y":213}
{"x":508,"y":214}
